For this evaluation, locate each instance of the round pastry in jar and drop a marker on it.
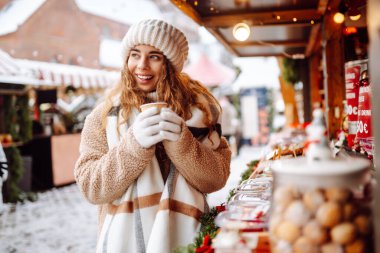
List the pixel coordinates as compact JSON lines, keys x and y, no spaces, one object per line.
{"x":321,"y":201}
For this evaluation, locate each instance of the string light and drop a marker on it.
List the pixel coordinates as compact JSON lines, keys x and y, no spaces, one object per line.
{"x":355,"y":18}
{"x":312,"y":22}
{"x":354,"y":14}
{"x":339,"y":15}
{"x":241,"y":31}
{"x":212,"y":6}
{"x":339,"y":18}
{"x":195,"y":3}
{"x":298,"y":56}
{"x":294,"y":19}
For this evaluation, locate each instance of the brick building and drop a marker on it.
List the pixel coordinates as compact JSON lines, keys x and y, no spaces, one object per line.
{"x":58,"y":31}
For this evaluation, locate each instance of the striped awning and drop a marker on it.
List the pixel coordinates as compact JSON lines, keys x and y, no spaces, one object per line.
{"x":11,"y":72}
{"x":38,"y":73}
{"x":60,"y":74}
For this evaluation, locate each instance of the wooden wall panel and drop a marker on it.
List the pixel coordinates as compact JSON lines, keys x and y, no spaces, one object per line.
{"x":316,"y":81}
{"x":64,"y":154}
{"x":333,"y":65}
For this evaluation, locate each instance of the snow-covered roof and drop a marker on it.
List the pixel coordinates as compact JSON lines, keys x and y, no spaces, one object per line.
{"x":110,"y":53}
{"x":123,"y":11}
{"x":15,"y":13}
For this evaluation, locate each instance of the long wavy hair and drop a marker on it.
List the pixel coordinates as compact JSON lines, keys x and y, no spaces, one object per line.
{"x":175,"y":88}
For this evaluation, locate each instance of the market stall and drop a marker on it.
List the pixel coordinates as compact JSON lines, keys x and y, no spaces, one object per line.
{"x":42,"y":110}
{"x":331,"y":48}
{"x":301,"y":196}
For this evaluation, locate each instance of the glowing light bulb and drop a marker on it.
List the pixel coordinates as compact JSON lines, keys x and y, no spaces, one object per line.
{"x":354,"y":14}
{"x":338,"y":18}
{"x":241,"y":31}
{"x":355,"y":18}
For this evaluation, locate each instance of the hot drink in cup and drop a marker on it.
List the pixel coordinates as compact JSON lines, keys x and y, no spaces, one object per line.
{"x":159,"y":105}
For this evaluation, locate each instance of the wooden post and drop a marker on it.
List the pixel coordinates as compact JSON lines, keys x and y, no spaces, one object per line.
{"x":333,"y":68}
{"x":373,"y":20}
{"x":316,"y":80}
{"x":306,"y":91}
{"x":288,"y":95}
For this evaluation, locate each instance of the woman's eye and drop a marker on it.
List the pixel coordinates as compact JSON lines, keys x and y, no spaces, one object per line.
{"x":134,"y":55}
{"x":155,"y":57}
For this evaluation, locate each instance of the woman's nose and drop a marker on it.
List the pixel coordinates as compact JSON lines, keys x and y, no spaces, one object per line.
{"x":143,"y":63}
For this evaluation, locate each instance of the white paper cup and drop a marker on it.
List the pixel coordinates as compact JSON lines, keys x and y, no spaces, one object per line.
{"x":159,"y":105}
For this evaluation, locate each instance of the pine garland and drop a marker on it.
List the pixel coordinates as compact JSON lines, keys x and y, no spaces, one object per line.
{"x":19,"y":125}
{"x":15,"y":171}
{"x":208,"y":226}
{"x":208,"y":230}
{"x":10,"y":116}
{"x":248,"y":172}
{"x":290,"y":70}
{"x":23,"y":118}
{"x":202,"y":243}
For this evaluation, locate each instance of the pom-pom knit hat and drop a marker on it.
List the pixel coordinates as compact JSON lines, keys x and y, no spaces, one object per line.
{"x":161,"y":35}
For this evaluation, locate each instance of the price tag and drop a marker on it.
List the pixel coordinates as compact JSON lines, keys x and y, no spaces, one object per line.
{"x":364,"y":129}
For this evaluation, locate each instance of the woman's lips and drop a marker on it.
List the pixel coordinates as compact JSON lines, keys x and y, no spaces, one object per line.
{"x":144,"y":78}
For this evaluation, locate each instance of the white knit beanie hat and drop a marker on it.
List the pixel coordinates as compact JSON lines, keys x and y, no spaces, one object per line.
{"x":161,"y":35}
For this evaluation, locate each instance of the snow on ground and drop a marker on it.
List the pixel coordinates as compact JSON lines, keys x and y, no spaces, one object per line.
{"x":61,"y":221}
{"x":238,"y":166}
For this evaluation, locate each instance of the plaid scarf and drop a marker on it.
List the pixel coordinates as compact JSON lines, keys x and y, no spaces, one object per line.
{"x":153,"y":216}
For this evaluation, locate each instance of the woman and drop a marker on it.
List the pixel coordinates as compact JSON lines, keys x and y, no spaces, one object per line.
{"x":148,"y":171}
{"x":3,"y":173}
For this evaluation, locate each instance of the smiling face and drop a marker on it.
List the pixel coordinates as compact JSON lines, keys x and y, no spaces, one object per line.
{"x":146,"y":64}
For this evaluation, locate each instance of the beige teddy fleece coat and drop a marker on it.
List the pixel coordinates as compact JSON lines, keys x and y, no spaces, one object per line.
{"x":104,"y":174}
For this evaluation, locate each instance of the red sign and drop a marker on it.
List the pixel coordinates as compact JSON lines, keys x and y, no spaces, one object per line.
{"x":352,"y":76}
{"x":364,"y":129}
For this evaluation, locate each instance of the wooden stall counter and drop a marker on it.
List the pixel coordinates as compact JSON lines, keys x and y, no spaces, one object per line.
{"x":53,"y":159}
{"x":64,"y":154}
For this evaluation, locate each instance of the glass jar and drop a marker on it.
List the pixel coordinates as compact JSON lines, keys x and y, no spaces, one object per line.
{"x":257,"y":186}
{"x":245,"y":219}
{"x":250,"y":196}
{"x":321,"y":206}
{"x":243,"y":228}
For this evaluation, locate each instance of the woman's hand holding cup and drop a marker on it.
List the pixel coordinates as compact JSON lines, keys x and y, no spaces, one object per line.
{"x":146,"y":127}
{"x":156,"y":123}
{"x":170,"y":125}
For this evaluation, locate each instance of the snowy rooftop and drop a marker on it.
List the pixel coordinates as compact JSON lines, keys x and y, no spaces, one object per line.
{"x":126,"y":12}
{"x":16,"y":13}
